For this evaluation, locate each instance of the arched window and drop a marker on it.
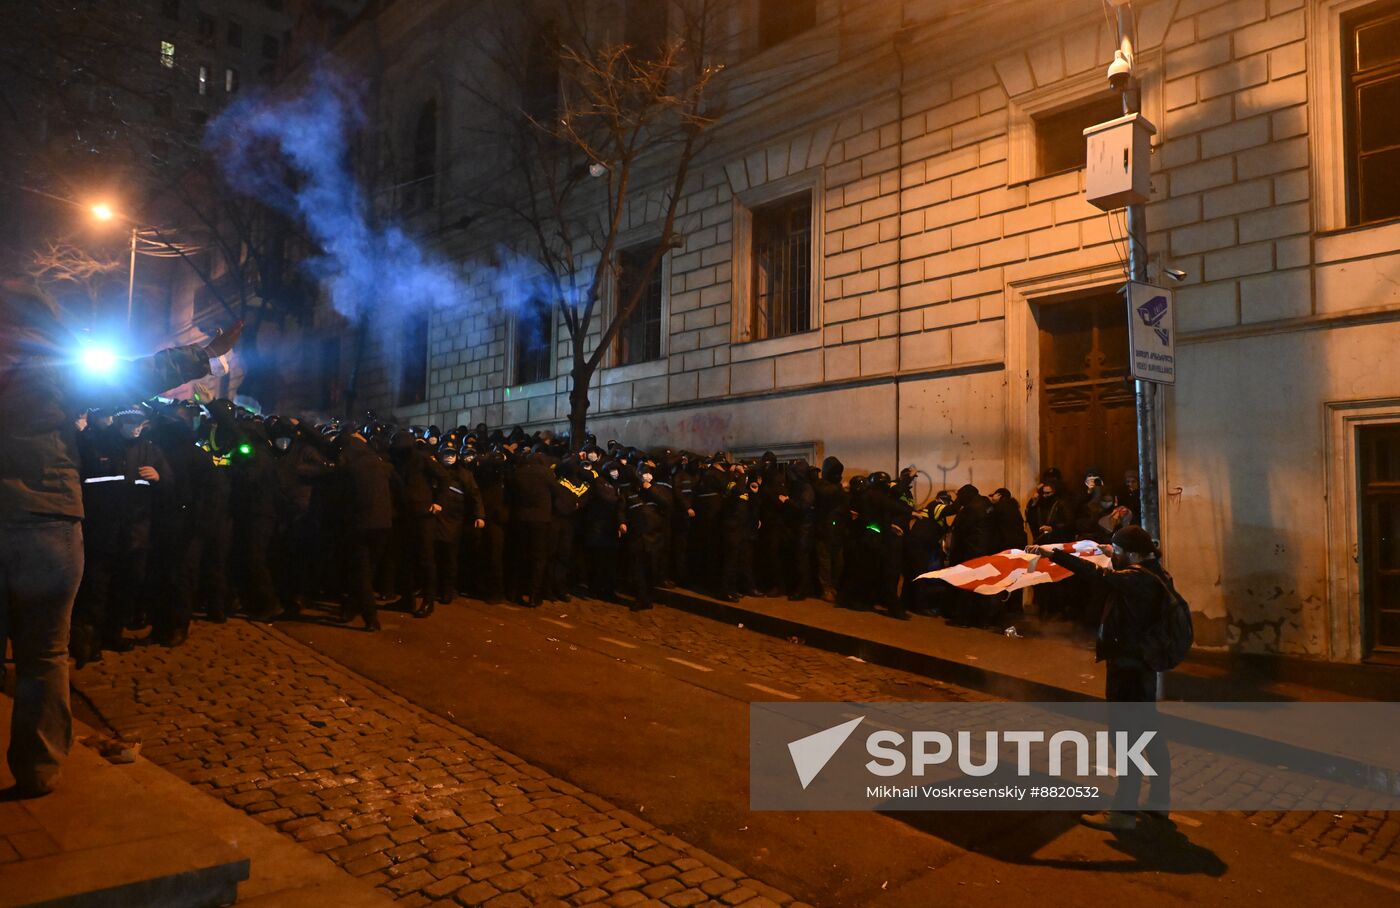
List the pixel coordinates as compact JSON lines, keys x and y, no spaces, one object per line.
{"x":423,"y":175}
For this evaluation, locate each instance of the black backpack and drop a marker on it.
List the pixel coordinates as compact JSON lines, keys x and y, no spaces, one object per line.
{"x":1168,"y":639}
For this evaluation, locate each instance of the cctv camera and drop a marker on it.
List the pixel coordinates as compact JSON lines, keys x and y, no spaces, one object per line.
{"x":1175,"y":274}
{"x":1120,"y":71}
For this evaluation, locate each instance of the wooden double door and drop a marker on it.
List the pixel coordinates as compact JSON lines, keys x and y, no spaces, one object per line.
{"x":1088,"y":418}
{"x":1379,"y":467}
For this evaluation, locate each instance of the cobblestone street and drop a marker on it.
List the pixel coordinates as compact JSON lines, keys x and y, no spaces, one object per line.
{"x":423,"y":809}
{"x":403,"y":793}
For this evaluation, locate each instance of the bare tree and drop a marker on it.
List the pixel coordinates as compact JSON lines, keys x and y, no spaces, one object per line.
{"x":622,"y":126}
{"x":62,"y":262}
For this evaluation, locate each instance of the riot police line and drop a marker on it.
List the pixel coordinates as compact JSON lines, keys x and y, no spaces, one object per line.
{"x":215,"y":510}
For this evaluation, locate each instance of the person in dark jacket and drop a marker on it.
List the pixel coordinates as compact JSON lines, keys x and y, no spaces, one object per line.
{"x":422,"y":486}
{"x":255,"y":504}
{"x":773,"y":569}
{"x":1139,"y":587}
{"x":366,"y":515}
{"x":972,"y":536}
{"x":461,"y":506}
{"x":831,"y":521}
{"x":707,"y":549}
{"x":741,"y":523}
{"x":683,"y":481}
{"x":299,"y":468}
{"x":122,"y":474}
{"x":531,"y":499}
{"x":604,"y":525}
{"x":42,"y":390}
{"x":643,"y":538}
{"x":491,"y":472}
{"x":572,"y":484}
{"x":184,"y":532}
{"x":799,"y":513}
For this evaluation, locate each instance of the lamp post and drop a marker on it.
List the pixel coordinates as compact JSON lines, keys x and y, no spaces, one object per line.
{"x":104,"y":212}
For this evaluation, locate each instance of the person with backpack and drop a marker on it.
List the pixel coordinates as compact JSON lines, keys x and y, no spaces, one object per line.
{"x":1145,"y":629}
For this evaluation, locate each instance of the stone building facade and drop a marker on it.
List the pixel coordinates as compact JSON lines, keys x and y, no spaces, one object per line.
{"x":962,"y":296}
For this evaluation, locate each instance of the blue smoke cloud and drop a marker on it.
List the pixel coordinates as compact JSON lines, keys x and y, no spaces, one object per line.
{"x":292,"y":153}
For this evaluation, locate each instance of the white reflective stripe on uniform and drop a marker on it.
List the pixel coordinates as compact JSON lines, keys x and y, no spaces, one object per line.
{"x":104,"y":479}
{"x":143,"y":482}
{"x":455,"y":489}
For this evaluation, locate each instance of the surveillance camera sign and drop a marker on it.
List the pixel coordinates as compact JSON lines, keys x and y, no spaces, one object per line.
{"x":1152,"y":333}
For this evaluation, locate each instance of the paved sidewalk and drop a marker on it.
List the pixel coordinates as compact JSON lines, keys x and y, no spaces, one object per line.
{"x":133,"y":834}
{"x":396,"y":796}
{"x":1052,"y":661}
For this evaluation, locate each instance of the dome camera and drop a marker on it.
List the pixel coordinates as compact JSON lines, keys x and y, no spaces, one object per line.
{"x":1120,"y":71}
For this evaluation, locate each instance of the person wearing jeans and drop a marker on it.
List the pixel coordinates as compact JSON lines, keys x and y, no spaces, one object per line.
{"x":42,"y":390}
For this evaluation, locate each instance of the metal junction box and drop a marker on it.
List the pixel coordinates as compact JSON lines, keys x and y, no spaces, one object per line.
{"x":1118,"y":163}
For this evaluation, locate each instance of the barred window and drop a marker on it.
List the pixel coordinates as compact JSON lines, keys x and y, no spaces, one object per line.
{"x":639,"y":338}
{"x":1371,"y":57}
{"x":781,"y":268}
{"x":534,"y":342}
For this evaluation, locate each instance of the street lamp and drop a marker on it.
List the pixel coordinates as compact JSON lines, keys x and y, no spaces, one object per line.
{"x":104,"y":212}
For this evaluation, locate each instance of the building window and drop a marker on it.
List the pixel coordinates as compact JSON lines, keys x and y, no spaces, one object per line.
{"x":534,"y":341}
{"x":167,"y":54}
{"x":779,"y":20}
{"x":170,"y":9}
{"x":413,"y":361}
{"x":646,"y":27}
{"x":639,"y":337}
{"x":204,"y":80}
{"x":207,"y":28}
{"x":233,"y":34}
{"x":1371,"y":59}
{"x":269,"y":47}
{"x":540,"y":96}
{"x":230,"y":80}
{"x":780,"y":270}
{"x":423,"y":176}
{"x":1059,"y":134}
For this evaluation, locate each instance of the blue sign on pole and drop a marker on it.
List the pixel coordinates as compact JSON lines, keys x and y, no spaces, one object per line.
{"x":1152,"y":333}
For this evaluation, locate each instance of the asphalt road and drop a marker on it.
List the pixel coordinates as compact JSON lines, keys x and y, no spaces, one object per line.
{"x":650,"y":711}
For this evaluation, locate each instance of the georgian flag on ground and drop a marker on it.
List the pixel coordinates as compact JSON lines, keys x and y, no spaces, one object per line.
{"x":1015,"y":569}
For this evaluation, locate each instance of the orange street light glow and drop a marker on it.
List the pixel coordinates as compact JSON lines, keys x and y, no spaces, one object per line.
{"x":103,"y":212}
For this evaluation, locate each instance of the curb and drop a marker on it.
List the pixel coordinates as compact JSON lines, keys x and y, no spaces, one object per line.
{"x":986,"y":680}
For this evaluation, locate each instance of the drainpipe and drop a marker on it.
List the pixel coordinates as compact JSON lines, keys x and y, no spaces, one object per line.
{"x":899,"y":38}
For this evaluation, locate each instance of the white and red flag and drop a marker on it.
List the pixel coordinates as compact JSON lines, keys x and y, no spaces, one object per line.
{"x":1015,"y":569}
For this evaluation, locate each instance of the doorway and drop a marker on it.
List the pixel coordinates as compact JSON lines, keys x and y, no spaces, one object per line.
{"x":1088,"y":417}
{"x":1379,"y":450}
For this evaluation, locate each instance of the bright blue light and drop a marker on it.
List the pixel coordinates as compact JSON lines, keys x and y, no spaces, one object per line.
{"x":99,"y":361}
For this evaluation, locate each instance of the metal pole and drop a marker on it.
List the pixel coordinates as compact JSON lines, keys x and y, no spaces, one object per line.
{"x":131,"y":280}
{"x":1146,"y":392}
